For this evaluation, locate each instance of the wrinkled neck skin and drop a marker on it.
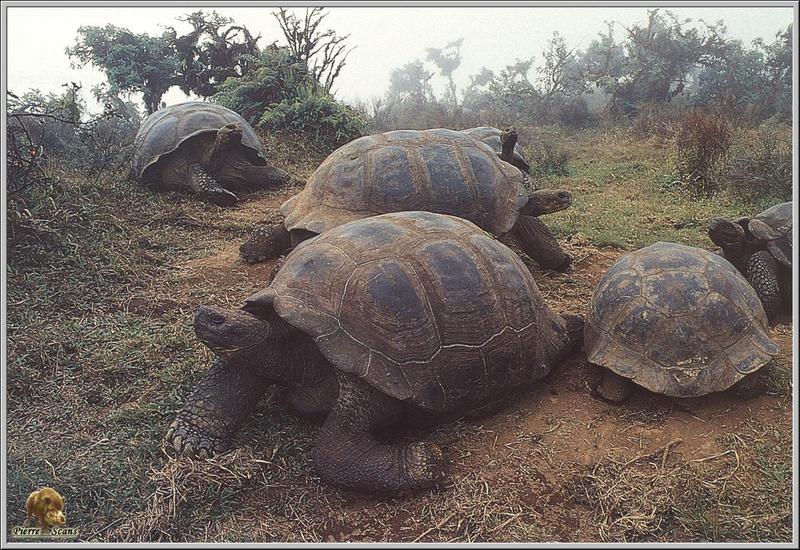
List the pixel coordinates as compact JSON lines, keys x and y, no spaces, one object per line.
{"x":270,"y":347}
{"x":290,"y":357}
{"x":174,"y":167}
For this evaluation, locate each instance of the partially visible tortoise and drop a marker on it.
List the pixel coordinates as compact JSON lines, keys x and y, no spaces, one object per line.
{"x":504,"y":143}
{"x":402,"y":314}
{"x":438,"y":170}
{"x":761,"y":249}
{"x":679,"y":321}
{"x":203,"y":147}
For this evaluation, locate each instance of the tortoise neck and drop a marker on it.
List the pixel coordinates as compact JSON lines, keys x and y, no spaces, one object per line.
{"x":291,"y":356}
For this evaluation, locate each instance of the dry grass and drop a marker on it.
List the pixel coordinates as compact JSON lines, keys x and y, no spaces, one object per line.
{"x":739,"y":494}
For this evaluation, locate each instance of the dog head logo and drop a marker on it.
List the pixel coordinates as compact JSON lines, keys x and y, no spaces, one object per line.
{"x":47,"y":506}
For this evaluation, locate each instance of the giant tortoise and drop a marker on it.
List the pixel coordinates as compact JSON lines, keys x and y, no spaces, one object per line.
{"x":440,"y":170}
{"x":679,"y":321}
{"x":203,"y":147}
{"x":371,"y":321}
{"x":761,"y":249}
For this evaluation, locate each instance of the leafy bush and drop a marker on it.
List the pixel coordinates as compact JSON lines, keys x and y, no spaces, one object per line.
{"x":274,"y":76}
{"x":411,"y":114}
{"x":317,"y":116}
{"x":763,"y":168}
{"x":702,"y":141}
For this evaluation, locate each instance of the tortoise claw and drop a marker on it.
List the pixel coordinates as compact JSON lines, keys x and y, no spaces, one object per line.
{"x":188,"y":440}
{"x":424,"y":463}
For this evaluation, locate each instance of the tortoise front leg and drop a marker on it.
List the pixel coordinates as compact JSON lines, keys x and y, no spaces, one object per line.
{"x":762,"y":273}
{"x":207,"y":187}
{"x":536,"y":240}
{"x":266,"y":243}
{"x":347,"y":453}
{"x":215,"y":409}
{"x":753,"y":384}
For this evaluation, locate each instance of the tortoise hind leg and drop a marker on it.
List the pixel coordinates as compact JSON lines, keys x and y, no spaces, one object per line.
{"x":614,"y":388}
{"x":206,"y":186}
{"x":605,"y":384}
{"x":266,"y":243}
{"x":214,"y":410}
{"x":762,"y":273}
{"x":347,"y":454}
{"x":536,"y":240}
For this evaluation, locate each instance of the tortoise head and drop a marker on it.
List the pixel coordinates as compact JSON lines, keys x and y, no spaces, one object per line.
{"x":236,"y":336}
{"x":728,"y":235}
{"x":230,"y":134}
{"x":547,"y":201}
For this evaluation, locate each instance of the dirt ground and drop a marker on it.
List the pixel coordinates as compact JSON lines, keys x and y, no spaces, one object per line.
{"x":100,"y":324}
{"x":556,"y":464}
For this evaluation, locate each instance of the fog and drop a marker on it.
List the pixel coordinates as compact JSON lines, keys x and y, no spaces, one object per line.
{"x":384,"y":38}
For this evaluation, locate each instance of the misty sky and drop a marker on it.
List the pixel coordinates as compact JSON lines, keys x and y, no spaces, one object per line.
{"x":385,"y":38}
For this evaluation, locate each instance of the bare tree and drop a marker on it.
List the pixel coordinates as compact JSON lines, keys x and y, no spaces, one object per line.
{"x":447,"y":60}
{"x":559,"y":72}
{"x":323,"y":52}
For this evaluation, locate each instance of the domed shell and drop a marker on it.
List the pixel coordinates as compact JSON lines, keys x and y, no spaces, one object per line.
{"x":774,"y":227}
{"x":677,"y":320}
{"x":438,"y":170}
{"x":163,"y":131}
{"x":425,"y":307}
{"x":491,"y":137}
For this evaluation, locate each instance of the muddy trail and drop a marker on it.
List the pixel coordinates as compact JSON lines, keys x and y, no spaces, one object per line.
{"x":556,"y":464}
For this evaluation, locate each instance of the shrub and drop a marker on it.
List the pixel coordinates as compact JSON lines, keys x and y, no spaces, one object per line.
{"x":575,"y":113}
{"x":319,"y":117}
{"x":763,"y":168}
{"x":274,"y":76}
{"x":656,"y":120}
{"x":547,"y":158}
{"x":702,"y":141}
{"x":47,"y":134}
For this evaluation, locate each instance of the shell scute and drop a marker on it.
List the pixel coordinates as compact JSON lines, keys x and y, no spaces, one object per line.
{"x":675,"y":292}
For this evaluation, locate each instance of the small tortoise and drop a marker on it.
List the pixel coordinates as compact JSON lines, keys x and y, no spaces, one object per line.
{"x":204,"y":147}
{"x":679,"y":321}
{"x":503,"y":142}
{"x":761,"y":249}
{"x":438,"y":170}
{"x":400,"y":314}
